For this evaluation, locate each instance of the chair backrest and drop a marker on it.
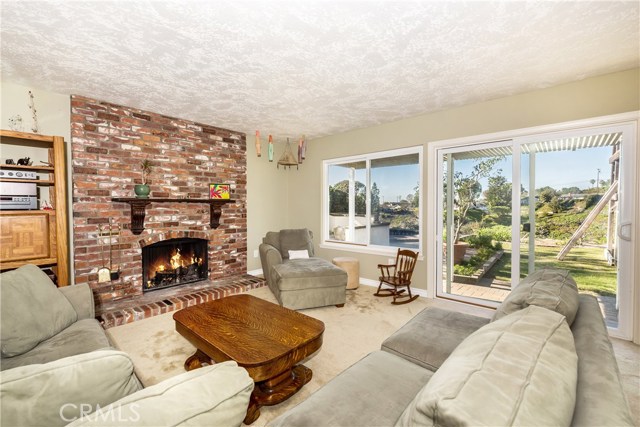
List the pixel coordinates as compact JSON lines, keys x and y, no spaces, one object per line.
{"x":406,"y":261}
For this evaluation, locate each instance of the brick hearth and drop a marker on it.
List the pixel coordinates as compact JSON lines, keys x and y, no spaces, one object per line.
{"x":163,"y":301}
{"x":108,"y":144}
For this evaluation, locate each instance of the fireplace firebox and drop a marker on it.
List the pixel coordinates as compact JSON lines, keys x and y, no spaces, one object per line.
{"x":174,"y":262}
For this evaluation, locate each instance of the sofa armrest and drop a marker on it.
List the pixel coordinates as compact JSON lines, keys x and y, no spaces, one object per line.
{"x":81,"y":298}
{"x":430,"y":337}
{"x":56,"y":393}
{"x":269,"y":256}
{"x":600,"y":398}
{"x":216,"y":395}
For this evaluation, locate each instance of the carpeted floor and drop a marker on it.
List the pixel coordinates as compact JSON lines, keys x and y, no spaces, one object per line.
{"x":158,"y":351}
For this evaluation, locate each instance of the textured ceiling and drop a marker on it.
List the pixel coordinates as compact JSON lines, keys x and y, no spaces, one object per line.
{"x":318,"y":67}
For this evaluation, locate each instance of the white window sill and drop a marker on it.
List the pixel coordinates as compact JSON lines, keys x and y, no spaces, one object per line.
{"x":390,"y":251}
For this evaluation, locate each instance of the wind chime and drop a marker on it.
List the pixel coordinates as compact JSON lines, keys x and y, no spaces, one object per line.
{"x":288,"y":159}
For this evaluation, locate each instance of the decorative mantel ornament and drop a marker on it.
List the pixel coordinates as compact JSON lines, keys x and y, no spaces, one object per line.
{"x":142,"y":190}
{"x":288,"y":159}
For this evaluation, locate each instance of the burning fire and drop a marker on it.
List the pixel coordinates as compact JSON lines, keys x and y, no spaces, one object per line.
{"x":176,"y":261}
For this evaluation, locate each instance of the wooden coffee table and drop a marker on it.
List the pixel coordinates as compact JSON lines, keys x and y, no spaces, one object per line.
{"x":264,"y":338}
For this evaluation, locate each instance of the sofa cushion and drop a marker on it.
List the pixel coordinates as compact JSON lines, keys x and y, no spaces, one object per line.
{"x":81,"y":337}
{"x":430,"y":337}
{"x":272,"y":238}
{"x":295,"y":240}
{"x":54,"y":394}
{"x":519,"y":370}
{"x":373,"y":392}
{"x":552,"y":289}
{"x":32,"y":310}
{"x":308,"y":273}
{"x":216,"y":395}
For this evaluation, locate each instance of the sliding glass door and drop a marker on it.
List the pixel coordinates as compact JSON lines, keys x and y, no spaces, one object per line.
{"x":555,"y":200}
{"x":476,"y":220}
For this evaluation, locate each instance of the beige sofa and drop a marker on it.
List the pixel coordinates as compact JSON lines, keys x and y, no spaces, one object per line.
{"x":544,"y":359}
{"x":58,"y":367}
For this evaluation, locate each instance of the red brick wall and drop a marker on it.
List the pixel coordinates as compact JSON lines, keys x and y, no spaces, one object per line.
{"x":108,"y":144}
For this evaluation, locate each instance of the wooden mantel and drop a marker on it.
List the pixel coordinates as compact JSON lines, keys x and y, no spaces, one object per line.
{"x":139,"y":209}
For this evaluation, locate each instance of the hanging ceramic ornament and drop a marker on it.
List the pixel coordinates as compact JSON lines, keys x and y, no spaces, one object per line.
{"x":304,"y":147}
{"x":300,"y":144}
{"x":270,"y":148}
{"x":258,"y":145}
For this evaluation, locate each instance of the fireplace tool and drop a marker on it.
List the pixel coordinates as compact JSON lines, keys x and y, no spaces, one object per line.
{"x":104,"y":274}
{"x":107,"y":274}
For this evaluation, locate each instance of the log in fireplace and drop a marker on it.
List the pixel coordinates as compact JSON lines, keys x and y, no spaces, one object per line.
{"x":174,"y":262}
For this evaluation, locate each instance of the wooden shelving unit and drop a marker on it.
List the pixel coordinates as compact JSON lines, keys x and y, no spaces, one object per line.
{"x":37,"y":236}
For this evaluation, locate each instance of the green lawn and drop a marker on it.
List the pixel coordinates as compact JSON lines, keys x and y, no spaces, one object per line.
{"x":586,"y":264}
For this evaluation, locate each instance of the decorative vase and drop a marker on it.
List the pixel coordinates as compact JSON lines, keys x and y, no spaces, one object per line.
{"x":142,"y":191}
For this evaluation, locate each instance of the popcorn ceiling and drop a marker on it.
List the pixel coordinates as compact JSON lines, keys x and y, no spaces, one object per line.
{"x":314,"y":68}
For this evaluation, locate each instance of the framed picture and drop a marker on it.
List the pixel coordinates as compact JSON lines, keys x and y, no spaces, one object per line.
{"x":219,"y":191}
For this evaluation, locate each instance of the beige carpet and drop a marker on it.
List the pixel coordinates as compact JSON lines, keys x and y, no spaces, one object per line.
{"x":158,"y":351}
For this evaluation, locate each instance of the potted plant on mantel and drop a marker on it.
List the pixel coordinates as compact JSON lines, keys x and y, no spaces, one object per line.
{"x":142,"y":190}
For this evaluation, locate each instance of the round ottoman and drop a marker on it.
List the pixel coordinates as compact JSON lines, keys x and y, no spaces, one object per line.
{"x":352,"y":267}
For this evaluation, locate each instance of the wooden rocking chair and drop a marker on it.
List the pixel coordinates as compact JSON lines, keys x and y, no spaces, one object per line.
{"x":398,"y":275}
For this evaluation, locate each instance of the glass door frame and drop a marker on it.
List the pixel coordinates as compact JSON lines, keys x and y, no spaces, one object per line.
{"x":440,"y":153}
{"x":627,"y":123}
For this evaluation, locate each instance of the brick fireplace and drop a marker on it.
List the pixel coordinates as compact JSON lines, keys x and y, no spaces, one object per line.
{"x":108,"y":144}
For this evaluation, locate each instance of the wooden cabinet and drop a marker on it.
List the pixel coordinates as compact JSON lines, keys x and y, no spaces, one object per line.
{"x":37,"y":236}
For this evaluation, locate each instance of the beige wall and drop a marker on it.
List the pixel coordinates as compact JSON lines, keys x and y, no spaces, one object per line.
{"x":280,"y":199}
{"x":599,"y":96}
{"x":267,"y":196}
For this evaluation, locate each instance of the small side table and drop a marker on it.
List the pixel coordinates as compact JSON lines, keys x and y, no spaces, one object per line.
{"x":352,"y":267}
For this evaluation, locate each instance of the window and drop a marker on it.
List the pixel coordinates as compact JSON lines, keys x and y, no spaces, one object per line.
{"x":374,"y":201}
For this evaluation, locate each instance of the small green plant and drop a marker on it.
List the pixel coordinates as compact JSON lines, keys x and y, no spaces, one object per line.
{"x":146,"y":170}
{"x":480,"y":241}
{"x":464,"y":269}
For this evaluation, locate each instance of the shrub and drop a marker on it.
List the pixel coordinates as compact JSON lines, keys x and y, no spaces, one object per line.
{"x":480,"y":241}
{"x":464,"y":269}
{"x":501,"y":233}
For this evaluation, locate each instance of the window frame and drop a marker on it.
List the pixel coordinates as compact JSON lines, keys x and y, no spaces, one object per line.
{"x":368,"y":248}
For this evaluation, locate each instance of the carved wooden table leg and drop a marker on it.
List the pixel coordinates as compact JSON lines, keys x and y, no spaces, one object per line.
{"x":276,"y":390}
{"x":196,"y":360}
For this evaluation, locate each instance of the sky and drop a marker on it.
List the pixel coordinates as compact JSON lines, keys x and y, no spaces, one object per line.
{"x":393,"y":181}
{"x":556,"y":169}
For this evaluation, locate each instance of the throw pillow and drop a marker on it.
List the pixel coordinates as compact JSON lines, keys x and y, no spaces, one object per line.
{"x":520,"y":370}
{"x":295,"y":240}
{"x":216,"y":395}
{"x":302,"y":254}
{"x":33,"y":310}
{"x":56,"y":393}
{"x":552,"y":289}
